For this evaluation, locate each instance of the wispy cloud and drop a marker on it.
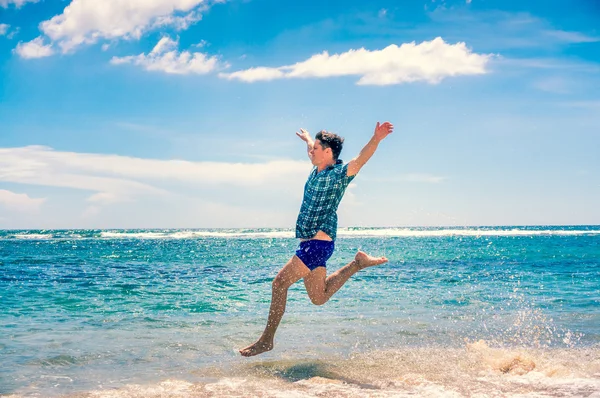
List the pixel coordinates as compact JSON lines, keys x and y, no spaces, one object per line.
{"x":13,"y":33}
{"x":555,"y":84}
{"x":19,"y":201}
{"x":3,"y":28}
{"x":553,"y":75}
{"x":430,"y":61}
{"x":17,"y":3}
{"x":165,"y":57}
{"x":420,"y":177}
{"x":503,"y":30}
{"x":570,"y":37}
{"x":592,"y":104}
{"x":113,"y":179}
{"x":550,"y":64}
{"x":412,"y":177}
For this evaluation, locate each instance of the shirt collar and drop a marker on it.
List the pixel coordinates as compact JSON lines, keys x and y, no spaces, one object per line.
{"x":339,"y":161}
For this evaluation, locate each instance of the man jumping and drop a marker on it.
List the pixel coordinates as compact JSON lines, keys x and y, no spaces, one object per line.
{"x":316,"y":227}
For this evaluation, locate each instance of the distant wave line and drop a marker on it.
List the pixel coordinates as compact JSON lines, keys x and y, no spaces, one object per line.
{"x":285,"y":234}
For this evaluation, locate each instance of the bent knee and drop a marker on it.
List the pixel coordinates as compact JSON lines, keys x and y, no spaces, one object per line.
{"x":280,"y":284}
{"x":319,"y":300}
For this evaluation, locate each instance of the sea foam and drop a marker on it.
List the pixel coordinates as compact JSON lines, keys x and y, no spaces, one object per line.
{"x":349,"y":232}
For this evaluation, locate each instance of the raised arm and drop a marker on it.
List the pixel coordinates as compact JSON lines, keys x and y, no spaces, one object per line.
{"x":381,"y":131}
{"x":305,"y":136}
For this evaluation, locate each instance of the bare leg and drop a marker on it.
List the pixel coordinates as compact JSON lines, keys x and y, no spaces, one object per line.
{"x":293,"y":271}
{"x":320,"y":289}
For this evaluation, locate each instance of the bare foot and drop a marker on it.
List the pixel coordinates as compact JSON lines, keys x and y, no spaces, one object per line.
{"x":363,"y":260}
{"x":257,"y":348}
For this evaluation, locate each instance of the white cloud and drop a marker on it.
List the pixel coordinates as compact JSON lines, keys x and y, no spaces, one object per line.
{"x":19,"y":201}
{"x":36,"y":165}
{"x":429,"y":61}
{"x":34,"y":49}
{"x":121,"y":181}
{"x":178,"y":22}
{"x":5,"y":30}
{"x":166,"y":58}
{"x":87,"y":21}
{"x":17,"y":3}
{"x":165,"y":44}
{"x":255,"y":74}
{"x":116,"y":178}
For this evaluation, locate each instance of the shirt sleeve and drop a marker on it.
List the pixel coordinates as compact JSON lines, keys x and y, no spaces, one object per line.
{"x":344,"y":174}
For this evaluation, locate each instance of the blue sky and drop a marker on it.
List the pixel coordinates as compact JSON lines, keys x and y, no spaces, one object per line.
{"x":183,"y":113}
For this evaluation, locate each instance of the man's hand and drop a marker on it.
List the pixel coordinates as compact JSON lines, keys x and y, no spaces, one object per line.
{"x":383,"y":130}
{"x":304,"y":136}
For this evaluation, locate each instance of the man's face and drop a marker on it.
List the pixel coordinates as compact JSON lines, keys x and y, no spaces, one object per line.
{"x":320,"y":154}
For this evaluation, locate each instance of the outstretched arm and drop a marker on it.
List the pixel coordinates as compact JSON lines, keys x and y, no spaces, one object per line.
{"x":305,"y":136}
{"x":381,"y":131}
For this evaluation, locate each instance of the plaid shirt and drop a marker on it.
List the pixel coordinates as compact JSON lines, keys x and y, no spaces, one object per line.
{"x":322,"y":194}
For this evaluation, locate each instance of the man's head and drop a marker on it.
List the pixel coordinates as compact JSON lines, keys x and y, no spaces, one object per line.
{"x":330,"y":141}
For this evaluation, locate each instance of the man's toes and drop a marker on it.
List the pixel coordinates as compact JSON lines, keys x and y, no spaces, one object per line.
{"x":245,"y":351}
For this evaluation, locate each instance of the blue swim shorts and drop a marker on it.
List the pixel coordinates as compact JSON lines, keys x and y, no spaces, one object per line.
{"x":315,"y":253}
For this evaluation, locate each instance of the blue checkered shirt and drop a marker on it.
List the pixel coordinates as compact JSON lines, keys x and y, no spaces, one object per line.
{"x":322,"y":194}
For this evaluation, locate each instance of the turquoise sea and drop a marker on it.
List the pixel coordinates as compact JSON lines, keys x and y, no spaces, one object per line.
{"x":473,"y":311}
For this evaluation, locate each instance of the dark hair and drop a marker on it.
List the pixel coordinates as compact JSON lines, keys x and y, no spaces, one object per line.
{"x":330,"y":140}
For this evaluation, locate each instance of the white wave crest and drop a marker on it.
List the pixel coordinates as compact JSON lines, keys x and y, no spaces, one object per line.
{"x":408,"y":232}
{"x":346,"y":232}
{"x":351,"y":232}
{"x":33,"y":236}
{"x":195,"y":234}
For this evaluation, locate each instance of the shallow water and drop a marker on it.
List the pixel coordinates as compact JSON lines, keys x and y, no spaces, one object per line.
{"x":457,"y":311}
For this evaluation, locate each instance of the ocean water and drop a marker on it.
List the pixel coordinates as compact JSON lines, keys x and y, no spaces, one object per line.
{"x":510,"y":311}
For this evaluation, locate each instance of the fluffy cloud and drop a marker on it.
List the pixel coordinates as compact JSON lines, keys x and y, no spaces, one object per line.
{"x":17,"y":3}
{"x":87,"y":21}
{"x":19,"y":201}
{"x":166,"y":58}
{"x":34,"y":49}
{"x":429,"y":61}
{"x":3,"y":28}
